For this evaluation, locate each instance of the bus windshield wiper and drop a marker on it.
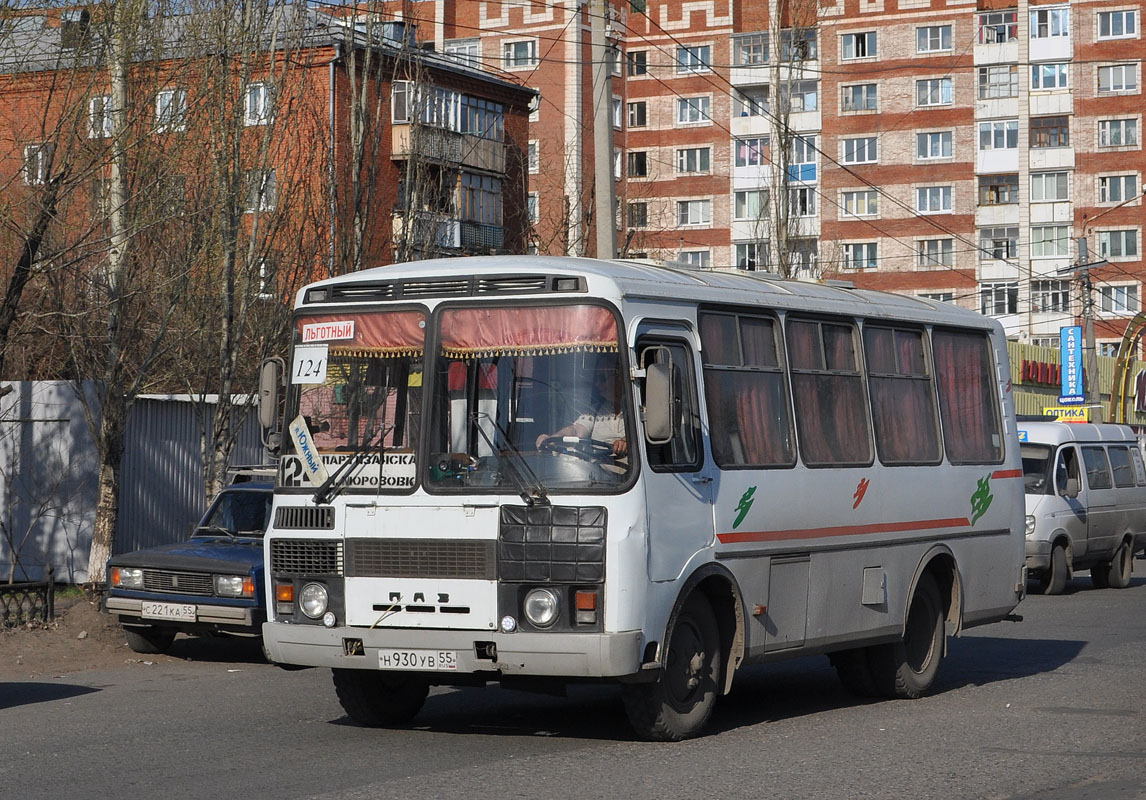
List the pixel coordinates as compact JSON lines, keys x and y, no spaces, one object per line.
{"x":532,"y":495}
{"x":337,"y":479}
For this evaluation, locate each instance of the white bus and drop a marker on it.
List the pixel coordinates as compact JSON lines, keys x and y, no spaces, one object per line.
{"x":540,"y":470}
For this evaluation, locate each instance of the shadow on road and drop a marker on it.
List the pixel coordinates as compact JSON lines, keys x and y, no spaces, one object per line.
{"x":23,"y":694}
{"x":217,"y":649}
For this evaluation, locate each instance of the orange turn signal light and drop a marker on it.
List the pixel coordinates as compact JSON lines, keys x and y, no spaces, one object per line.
{"x":586,"y":601}
{"x":284,"y":592}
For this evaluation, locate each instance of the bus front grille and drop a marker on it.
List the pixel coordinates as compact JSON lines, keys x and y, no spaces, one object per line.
{"x":551,"y":544}
{"x":304,"y":518}
{"x":471,"y":559}
{"x":306,"y":557}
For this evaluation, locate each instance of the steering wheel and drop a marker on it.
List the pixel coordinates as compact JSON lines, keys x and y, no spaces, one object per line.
{"x":589,"y":449}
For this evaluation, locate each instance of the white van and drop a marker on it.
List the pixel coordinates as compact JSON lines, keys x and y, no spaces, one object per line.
{"x":1086,"y":502}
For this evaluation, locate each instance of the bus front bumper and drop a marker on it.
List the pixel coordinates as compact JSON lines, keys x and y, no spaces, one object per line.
{"x":563,"y":655}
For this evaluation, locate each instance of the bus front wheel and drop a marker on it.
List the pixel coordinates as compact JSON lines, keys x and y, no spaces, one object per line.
{"x":677,"y":706}
{"x":907,"y":668}
{"x":379,"y":699}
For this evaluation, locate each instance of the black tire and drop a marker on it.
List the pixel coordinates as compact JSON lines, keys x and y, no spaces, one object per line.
{"x":380,"y":699}
{"x":1058,"y":574}
{"x":149,"y":641}
{"x":854,"y":671}
{"x":678,"y":705}
{"x":906,"y":669}
{"x":1118,"y":573}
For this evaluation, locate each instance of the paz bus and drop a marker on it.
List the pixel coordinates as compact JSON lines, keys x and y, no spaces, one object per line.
{"x":539,"y":470}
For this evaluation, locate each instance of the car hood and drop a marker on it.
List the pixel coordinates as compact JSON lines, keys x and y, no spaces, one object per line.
{"x":199,"y":554}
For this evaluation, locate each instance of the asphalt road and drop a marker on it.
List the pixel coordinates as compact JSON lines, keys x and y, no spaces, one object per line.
{"x":1049,"y":708}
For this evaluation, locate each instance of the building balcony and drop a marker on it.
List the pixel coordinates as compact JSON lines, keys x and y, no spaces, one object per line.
{"x":448,"y":147}
{"x":481,"y":238}
{"x":426,"y":230}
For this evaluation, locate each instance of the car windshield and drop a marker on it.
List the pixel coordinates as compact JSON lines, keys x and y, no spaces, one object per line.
{"x":357,"y":381}
{"x":239,"y":513}
{"x":1036,"y":467}
{"x":529,"y":399}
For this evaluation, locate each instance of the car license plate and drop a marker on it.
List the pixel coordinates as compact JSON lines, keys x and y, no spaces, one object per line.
{"x":178,"y":611}
{"x":431,"y":660}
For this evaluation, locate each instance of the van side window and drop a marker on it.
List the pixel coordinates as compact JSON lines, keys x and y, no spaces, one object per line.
{"x":682,"y":452}
{"x":1123,"y":469}
{"x":1139,"y":467}
{"x":1066,"y":467}
{"x":1097,"y":468}
{"x":749,"y":421}
{"x":968,"y":397}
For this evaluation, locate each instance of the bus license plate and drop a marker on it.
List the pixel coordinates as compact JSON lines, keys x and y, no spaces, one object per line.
{"x":180,"y":611}
{"x":431,"y":660}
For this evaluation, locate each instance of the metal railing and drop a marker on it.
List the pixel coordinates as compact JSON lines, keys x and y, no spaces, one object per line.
{"x":22,"y":603}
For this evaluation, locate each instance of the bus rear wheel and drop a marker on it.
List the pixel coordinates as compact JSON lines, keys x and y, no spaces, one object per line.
{"x":678,"y":705}
{"x":379,"y":699}
{"x":907,"y":668}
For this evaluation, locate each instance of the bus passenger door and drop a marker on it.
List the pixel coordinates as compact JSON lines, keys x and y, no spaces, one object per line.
{"x":676,"y":477}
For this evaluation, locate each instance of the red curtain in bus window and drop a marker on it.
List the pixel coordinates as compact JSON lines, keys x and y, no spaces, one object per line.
{"x":386,"y":333}
{"x":488,"y":332}
{"x":902,"y":397}
{"x":761,"y":406}
{"x":967,"y":402}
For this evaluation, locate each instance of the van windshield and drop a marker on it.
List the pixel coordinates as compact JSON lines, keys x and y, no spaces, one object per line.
{"x":1036,"y":467}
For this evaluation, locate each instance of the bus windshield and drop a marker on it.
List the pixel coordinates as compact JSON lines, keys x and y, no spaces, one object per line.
{"x":1036,"y":467}
{"x":529,"y":395}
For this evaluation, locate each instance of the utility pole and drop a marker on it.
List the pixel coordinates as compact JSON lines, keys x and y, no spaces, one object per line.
{"x":604,"y":188}
{"x":1089,"y":351}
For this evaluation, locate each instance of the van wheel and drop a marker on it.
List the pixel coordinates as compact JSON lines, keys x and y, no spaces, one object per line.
{"x":379,"y":699}
{"x":1118,"y":573}
{"x":677,"y":706}
{"x":1055,"y":579}
{"x":907,"y":668}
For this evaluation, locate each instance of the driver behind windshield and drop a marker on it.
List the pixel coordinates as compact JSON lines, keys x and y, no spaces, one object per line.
{"x":605,"y":422}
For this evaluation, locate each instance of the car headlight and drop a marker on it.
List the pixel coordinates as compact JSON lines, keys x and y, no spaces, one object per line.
{"x":127,"y":577}
{"x":541,"y":607}
{"x":1030,"y":524}
{"x":234,"y":586}
{"x":313,"y":600}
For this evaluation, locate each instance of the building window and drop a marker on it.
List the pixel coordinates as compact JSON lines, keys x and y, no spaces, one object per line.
{"x":618,"y":116}
{"x":860,"y":255}
{"x":1117,"y":132}
{"x":694,"y":58}
{"x":861,"y":204}
{"x":1117,"y":188}
{"x":638,"y":164}
{"x":515,"y":55}
{"x":534,"y":157}
{"x":861,"y":97}
{"x":750,"y":204}
{"x":1118,"y":78}
{"x":532,"y":201}
{"x":750,"y":102}
{"x":693,"y":109}
{"x":171,"y":110}
{"x":1050,"y":132}
{"x":998,"y":243}
{"x":999,"y":135}
{"x":751,"y":152}
{"x":1118,"y":299}
{"x":1050,"y":241}
{"x":465,"y":51}
{"x":1117,"y":24}
{"x":1050,"y":23}
{"x":1046,"y":77}
{"x":700,"y":259}
{"x":613,"y":57}
{"x":1118,"y":244}
{"x":857,"y":45}
{"x":936,"y":253}
{"x":481,"y":199}
{"x":799,"y":44}
{"x":266,"y":279}
{"x":939,"y":297}
{"x":997,"y":27}
{"x":750,"y":50}
{"x":638,"y":214}
{"x":999,"y":81}
{"x":935,"y":144}
{"x":694,"y":212}
{"x":638,"y":114}
{"x":751,"y":255}
{"x":933,"y":199}
{"x":38,"y":163}
{"x":802,"y":202}
{"x":998,"y":190}
{"x":637,"y":62}
{"x":262,"y":190}
{"x":999,"y":298}
{"x":796,"y":96}
{"x":694,"y":159}
{"x":1050,"y":296}
{"x":802,"y":159}
{"x":99,"y":117}
{"x":861,"y":150}
{"x":258,"y":104}
{"x":933,"y":92}
{"x":933,"y":39}
{"x":1050,"y":186}
{"x":618,"y":162}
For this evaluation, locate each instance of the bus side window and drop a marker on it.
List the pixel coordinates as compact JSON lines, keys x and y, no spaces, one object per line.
{"x":682,"y":452}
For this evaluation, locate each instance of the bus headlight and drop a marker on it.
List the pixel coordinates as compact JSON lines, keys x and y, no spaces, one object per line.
{"x":1030,"y":524}
{"x":313,"y":600}
{"x":541,"y":607}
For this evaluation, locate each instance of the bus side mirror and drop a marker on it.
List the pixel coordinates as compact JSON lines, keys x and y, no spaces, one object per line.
{"x":1071,"y":489}
{"x":270,"y":378}
{"x":659,"y":403}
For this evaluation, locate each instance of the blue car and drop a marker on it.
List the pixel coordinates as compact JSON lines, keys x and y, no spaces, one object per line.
{"x":210,"y":584}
